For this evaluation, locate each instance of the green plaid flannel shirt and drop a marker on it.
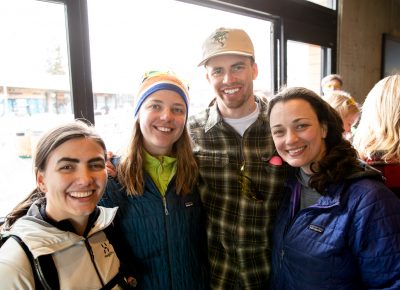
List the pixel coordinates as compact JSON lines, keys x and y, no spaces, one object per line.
{"x":239,"y":229}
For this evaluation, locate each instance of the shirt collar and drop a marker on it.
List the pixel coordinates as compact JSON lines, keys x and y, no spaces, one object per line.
{"x":215,"y":117}
{"x":151,"y":162}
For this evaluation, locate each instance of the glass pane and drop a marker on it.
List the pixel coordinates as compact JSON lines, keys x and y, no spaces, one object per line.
{"x":304,"y":65}
{"x":327,"y":3}
{"x":34,"y":88}
{"x":130,"y":37}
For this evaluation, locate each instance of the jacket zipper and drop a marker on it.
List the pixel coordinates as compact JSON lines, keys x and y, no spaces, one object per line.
{"x":164,"y":200}
{"x":89,"y":248}
{"x":287,"y":228}
{"x":281,"y":258}
{"x":285,"y":231}
{"x":40,"y":274}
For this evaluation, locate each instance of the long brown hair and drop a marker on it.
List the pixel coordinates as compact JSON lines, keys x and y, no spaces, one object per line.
{"x":131,"y":167}
{"x":45,"y":146}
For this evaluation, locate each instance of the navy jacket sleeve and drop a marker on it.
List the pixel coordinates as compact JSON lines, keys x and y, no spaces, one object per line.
{"x":375,"y":238}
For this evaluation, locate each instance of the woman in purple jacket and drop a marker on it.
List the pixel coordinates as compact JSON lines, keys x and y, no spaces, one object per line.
{"x":339,"y":226}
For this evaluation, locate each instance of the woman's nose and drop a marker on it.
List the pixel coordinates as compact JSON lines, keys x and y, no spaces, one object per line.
{"x":291,"y":137}
{"x":85,"y":177}
{"x":166,"y":115}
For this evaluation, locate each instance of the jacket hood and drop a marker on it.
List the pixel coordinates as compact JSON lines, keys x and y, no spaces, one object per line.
{"x":364,"y":170}
{"x":333,"y":191}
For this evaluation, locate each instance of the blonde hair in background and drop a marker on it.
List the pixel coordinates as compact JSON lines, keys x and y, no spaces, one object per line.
{"x":343,"y":103}
{"x":379,"y":127}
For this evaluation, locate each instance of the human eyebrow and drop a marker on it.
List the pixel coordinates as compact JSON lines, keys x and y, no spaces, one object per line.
{"x":238,"y":63}
{"x":178,"y":104}
{"x":215,"y":69}
{"x":155,"y":101}
{"x":300,"y":120}
{"x":75,"y":160}
{"x":97,"y":159}
{"x":277,"y":126}
{"x":68,"y":159}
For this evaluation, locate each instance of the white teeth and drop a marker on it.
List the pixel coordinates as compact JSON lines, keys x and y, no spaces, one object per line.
{"x":294,"y":151}
{"x":80,"y":194}
{"x":230,"y":91}
{"x":164,"y":129}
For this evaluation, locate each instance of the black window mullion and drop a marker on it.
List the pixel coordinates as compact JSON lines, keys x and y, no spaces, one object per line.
{"x":80,"y":66}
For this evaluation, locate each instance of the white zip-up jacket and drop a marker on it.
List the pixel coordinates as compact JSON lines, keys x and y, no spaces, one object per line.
{"x":82,"y":263}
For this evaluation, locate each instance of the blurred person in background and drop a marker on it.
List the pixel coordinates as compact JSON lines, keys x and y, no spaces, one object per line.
{"x":377,"y":137}
{"x":331,"y":83}
{"x":347,"y":108}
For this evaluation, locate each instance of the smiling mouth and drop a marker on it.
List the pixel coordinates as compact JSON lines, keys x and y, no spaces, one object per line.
{"x":230,"y":91}
{"x":296,"y":151}
{"x":81,"y":194}
{"x":164,"y":129}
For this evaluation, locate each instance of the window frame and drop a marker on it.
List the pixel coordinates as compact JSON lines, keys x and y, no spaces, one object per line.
{"x":79,"y":57}
{"x":296,"y":20}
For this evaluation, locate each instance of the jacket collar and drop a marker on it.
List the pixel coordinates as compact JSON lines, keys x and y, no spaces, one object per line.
{"x":325,"y":201}
{"x":334,"y":191}
{"x":65,"y":225}
{"x":43,"y":238}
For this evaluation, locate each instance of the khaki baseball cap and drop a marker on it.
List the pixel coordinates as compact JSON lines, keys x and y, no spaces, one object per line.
{"x":227,"y":41}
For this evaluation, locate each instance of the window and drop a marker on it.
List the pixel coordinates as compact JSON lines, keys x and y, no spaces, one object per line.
{"x":390,"y":55}
{"x":326,"y":3}
{"x":128,"y":38}
{"x":304,"y":65}
{"x":44,"y":64}
{"x":34,"y":88}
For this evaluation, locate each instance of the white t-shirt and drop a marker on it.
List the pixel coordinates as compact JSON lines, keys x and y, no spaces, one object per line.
{"x":241,"y":124}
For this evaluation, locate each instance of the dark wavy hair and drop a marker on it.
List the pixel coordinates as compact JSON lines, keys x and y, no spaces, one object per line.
{"x":340,"y":159}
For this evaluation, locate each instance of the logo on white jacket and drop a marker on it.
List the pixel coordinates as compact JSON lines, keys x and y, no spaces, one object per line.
{"x":107,"y":249}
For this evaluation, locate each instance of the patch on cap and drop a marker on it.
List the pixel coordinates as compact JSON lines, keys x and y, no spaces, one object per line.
{"x":227,"y":41}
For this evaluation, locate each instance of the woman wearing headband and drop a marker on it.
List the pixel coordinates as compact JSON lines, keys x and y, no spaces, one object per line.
{"x":160,"y":214}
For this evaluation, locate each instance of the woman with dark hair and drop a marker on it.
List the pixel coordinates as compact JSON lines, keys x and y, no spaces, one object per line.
{"x":339,"y":226}
{"x":59,"y":223}
{"x":160,"y":214}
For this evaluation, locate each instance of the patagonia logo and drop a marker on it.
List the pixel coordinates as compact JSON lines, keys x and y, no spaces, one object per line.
{"x":189,"y":204}
{"x":317,"y":229}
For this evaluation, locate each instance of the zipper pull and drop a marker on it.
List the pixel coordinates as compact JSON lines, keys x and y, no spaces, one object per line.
{"x":165,"y":205}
